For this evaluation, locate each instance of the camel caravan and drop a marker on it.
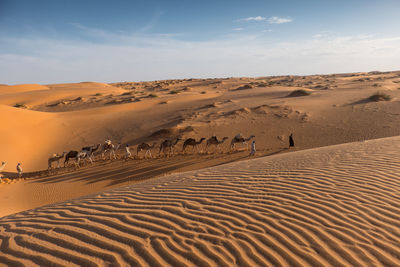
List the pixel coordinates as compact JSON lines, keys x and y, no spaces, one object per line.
{"x":108,"y":150}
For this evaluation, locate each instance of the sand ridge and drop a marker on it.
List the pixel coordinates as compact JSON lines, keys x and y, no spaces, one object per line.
{"x":330,"y":206}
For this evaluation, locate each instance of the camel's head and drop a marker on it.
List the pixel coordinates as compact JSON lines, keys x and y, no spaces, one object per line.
{"x":202,"y":139}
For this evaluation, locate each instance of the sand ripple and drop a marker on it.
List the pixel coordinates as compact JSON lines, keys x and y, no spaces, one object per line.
{"x":332,"y":206}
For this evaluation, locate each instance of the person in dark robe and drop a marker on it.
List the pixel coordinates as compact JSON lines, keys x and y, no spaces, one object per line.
{"x":291,"y":141}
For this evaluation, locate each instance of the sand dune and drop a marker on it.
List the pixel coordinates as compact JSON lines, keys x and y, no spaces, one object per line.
{"x":331,"y":206}
{"x":12,"y":89}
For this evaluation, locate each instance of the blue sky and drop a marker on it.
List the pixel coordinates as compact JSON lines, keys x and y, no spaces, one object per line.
{"x":71,"y":41}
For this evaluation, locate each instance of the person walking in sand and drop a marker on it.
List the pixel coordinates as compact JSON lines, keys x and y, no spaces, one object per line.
{"x":291,"y":141}
{"x":253,"y":148}
{"x":19,"y":170}
{"x":128,"y":153}
{"x":2,"y":166}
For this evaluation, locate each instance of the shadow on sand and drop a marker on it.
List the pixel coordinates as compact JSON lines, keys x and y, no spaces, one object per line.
{"x":131,"y":171}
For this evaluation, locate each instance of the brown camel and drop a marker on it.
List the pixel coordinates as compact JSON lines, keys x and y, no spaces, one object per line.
{"x":109,"y":146}
{"x":192,"y":142}
{"x":145,"y":147}
{"x":55,"y":158}
{"x":241,"y":139}
{"x":73,"y":154}
{"x":168,"y":144}
{"x":213,"y":141}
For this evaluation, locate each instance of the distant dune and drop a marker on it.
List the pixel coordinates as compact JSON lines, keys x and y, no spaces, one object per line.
{"x":48,"y":119}
{"x":11,"y":89}
{"x":331,"y":206}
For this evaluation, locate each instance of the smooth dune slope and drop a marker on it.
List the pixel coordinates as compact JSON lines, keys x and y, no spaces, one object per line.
{"x":330,"y":206}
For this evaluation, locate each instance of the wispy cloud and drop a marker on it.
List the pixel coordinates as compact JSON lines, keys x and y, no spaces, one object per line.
{"x":238,"y":29}
{"x":258,"y":18}
{"x":151,"y":57}
{"x":279,"y":20}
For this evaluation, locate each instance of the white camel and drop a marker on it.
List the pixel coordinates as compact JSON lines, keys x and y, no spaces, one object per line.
{"x":87,"y":152}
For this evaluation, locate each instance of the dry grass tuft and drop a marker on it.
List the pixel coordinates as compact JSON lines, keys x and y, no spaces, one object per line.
{"x":300,"y":92}
{"x":380,"y":96}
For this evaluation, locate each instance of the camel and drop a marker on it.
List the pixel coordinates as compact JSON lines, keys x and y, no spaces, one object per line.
{"x":109,"y":146}
{"x":241,"y":139}
{"x":146,"y":147}
{"x":87,"y":152}
{"x":168,"y":144}
{"x":213,"y":141}
{"x":55,"y":158}
{"x":72,"y":155}
{"x":192,"y":142}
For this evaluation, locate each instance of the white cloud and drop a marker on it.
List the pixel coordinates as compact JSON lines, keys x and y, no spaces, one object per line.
{"x":279,"y":20}
{"x":238,"y":29}
{"x":152,"y":57}
{"x":258,"y":18}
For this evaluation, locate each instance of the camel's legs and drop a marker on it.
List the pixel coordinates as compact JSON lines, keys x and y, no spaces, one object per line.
{"x":148,"y":152}
{"x":112,"y":153}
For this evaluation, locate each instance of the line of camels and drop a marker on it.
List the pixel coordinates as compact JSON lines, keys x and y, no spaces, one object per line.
{"x":166,"y":147}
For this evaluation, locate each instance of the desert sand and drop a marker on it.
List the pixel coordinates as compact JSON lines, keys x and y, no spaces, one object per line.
{"x":330,"y":200}
{"x":330,"y":206}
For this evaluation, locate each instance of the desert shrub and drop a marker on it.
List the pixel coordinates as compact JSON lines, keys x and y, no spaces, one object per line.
{"x":98,"y":94}
{"x":152,"y":95}
{"x":244,"y":87}
{"x":20,"y":105}
{"x":380,"y":96}
{"x":300,"y":92}
{"x":203,"y":92}
{"x":127,"y":93}
{"x":173,"y":92}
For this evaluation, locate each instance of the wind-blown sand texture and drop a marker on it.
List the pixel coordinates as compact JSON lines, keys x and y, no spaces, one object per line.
{"x":330,"y":206}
